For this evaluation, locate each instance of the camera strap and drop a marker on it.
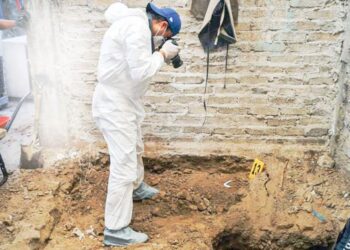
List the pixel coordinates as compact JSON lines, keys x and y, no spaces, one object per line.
{"x":149,"y":17}
{"x":207,"y":79}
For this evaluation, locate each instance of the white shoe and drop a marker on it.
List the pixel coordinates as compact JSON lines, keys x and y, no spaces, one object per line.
{"x":123,"y":237}
{"x":144,"y":192}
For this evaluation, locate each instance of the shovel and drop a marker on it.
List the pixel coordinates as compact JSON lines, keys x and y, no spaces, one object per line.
{"x":3,"y":132}
{"x":31,"y":157}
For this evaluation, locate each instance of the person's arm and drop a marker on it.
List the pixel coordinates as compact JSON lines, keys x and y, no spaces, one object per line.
{"x":142,"y":63}
{"x":7,"y":24}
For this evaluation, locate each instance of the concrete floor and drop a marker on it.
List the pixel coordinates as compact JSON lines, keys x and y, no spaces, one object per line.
{"x":20,"y":133}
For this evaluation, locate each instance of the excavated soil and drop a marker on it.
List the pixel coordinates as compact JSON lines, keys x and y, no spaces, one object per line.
{"x":288,"y":206}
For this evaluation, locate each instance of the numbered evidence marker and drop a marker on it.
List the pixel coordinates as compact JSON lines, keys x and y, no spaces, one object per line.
{"x":258,"y":167}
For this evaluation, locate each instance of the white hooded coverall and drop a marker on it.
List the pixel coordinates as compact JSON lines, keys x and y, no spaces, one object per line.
{"x":126,"y":65}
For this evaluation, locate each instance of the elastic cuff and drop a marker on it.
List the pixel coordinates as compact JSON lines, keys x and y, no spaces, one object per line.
{"x":159,"y":55}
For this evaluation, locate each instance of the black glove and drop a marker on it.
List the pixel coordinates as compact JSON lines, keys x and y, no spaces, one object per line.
{"x":22,"y":19}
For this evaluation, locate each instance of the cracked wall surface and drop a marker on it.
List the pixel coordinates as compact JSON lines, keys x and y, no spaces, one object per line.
{"x":342,"y":140}
{"x":282,"y":79}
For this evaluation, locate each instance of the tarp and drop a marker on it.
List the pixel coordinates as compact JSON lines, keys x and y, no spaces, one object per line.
{"x":218,"y":26}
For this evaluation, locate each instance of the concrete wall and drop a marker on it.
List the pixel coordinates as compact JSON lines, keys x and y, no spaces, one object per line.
{"x":342,"y":138}
{"x":281,"y":95}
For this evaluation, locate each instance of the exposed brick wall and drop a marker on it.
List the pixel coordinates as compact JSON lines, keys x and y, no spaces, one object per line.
{"x":281,"y":80}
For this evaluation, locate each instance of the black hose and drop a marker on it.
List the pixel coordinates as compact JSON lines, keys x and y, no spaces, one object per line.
{"x":4,"y":172}
{"x":19,"y":105}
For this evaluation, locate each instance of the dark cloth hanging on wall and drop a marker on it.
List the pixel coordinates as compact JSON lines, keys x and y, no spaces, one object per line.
{"x":218,"y":26}
{"x":217,"y":31}
{"x":199,"y":9}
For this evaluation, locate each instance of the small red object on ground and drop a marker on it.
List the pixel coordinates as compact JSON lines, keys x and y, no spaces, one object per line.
{"x":3,"y":121}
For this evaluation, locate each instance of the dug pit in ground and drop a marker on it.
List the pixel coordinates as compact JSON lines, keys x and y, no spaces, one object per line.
{"x":63,"y":206}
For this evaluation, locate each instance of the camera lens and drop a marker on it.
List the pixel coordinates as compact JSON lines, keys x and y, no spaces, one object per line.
{"x":177,"y":62}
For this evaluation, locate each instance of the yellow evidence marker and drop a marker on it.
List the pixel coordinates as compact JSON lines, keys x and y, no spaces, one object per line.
{"x":258,"y":167}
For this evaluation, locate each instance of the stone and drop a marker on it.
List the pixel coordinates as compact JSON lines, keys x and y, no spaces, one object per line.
{"x":188,"y":171}
{"x":201,"y":206}
{"x":330,"y":205}
{"x":307,"y":207}
{"x":206,"y":202}
{"x":173,"y":242}
{"x":154,"y":181}
{"x":285,"y":226}
{"x":10,"y":229}
{"x":325,"y":161}
{"x":78,"y":233}
{"x":156,"y":212}
{"x":193,"y":207}
{"x":27,"y":234}
{"x":8,"y":221}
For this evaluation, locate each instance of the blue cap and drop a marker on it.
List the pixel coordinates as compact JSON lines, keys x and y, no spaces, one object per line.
{"x":169,"y":14}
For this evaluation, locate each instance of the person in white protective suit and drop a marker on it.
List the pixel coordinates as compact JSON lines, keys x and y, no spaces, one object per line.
{"x":126,"y":64}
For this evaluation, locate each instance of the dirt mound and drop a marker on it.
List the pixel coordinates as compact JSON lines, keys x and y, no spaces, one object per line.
{"x":286,"y":207}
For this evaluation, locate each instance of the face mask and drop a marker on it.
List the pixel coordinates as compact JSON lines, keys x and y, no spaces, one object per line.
{"x":158,"y":40}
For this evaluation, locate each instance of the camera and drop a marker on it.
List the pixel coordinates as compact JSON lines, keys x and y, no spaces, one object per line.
{"x":176,"y":61}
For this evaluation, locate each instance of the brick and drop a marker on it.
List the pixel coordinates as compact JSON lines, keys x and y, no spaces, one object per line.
{"x":253,"y":79}
{"x":265,"y":111}
{"x":188,"y":120}
{"x":307,"y":4}
{"x":232,"y":110}
{"x":165,"y":129}
{"x":321,"y":80}
{"x":229,"y":81}
{"x":223,"y":100}
{"x":197,"y":90}
{"x":197,"y":130}
{"x":316,"y":132}
{"x":189,"y":79}
{"x":288,"y":131}
{"x":229,"y":131}
{"x":162,"y":78}
{"x":163,"y":88}
{"x":156,"y":99}
{"x":322,"y":36}
{"x":171,"y":109}
{"x":294,"y":111}
{"x":187,"y":99}
{"x":306,"y":121}
{"x":199,"y":109}
{"x":269,"y":47}
{"x":282,"y":122}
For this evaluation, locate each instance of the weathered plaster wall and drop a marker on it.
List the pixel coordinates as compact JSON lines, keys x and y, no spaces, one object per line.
{"x":342,"y":138}
{"x":281,"y":91}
